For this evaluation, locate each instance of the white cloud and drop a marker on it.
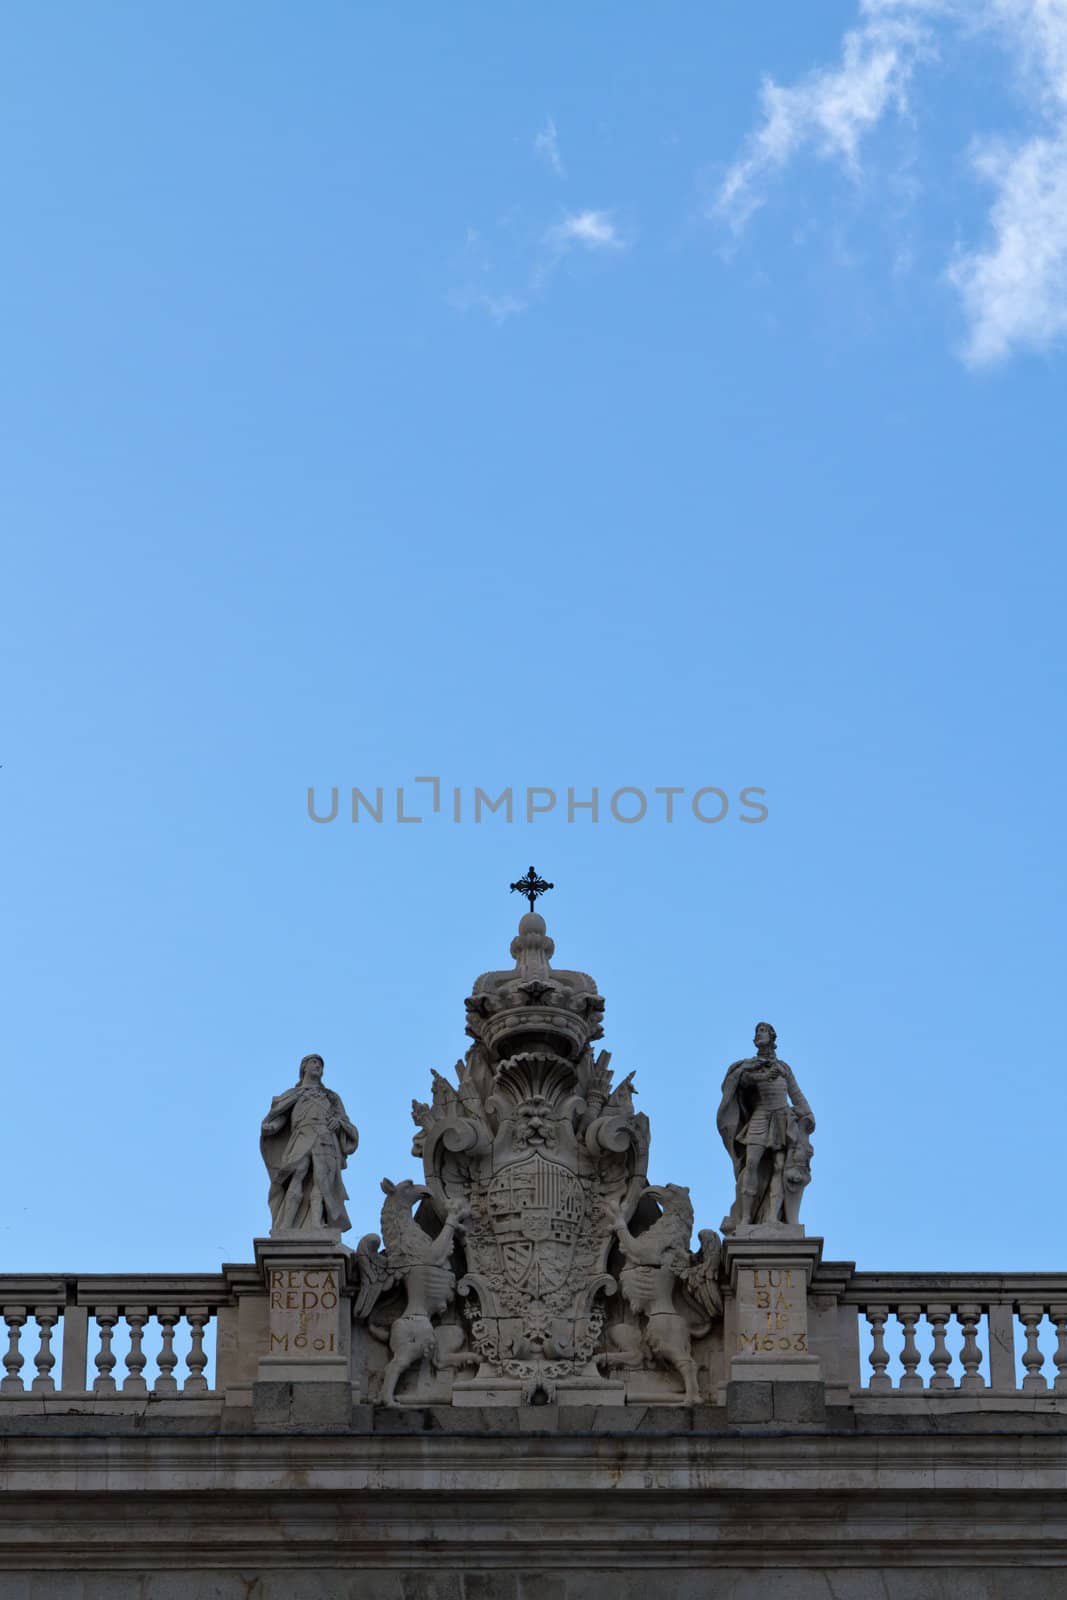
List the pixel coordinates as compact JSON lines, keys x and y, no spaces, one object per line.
{"x":546,"y":146}
{"x":831,"y":109}
{"x":529,"y":267}
{"x":1013,"y":290}
{"x":512,"y":267}
{"x":592,"y":229}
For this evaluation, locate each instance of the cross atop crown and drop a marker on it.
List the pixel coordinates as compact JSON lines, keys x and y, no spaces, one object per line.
{"x":531,"y":886}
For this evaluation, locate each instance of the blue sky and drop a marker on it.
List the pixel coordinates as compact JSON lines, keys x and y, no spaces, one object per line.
{"x":532,"y":396}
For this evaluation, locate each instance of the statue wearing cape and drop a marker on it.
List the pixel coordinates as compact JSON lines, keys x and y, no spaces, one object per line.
{"x":306,"y":1140}
{"x":745,"y":1117}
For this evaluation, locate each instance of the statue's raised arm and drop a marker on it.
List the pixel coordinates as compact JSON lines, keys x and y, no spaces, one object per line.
{"x":765,"y":1122}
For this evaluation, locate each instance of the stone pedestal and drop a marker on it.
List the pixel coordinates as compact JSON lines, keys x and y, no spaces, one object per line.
{"x":767,"y":1328}
{"x":309,"y":1283}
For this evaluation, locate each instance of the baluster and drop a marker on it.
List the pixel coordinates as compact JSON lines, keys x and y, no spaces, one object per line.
{"x":166,"y":1382}
{"x":106,"y":1318}
{"x":44,"y":1360}
{"x":909,"y":1355}
{"x":196,"y":1360}
{"x":940,"y":1360}
{"x":879,"y":1356}
{"x":1034,"y":1382}
{"x":134,"y":1383}
{"x":15,"y":1317}
{"x":970,"y":1355}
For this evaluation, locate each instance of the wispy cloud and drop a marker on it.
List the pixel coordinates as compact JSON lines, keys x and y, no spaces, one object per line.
{"x":1012,"y":288}
{"x":498,"y":307}
{"x":510,"y":268}
{"x":546,"y":146}
{"x":594,"y":230}
{"x":507,"y":275}
{"x":831,"y":109}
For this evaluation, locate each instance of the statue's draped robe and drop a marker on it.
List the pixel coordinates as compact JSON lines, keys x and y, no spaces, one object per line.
{"x":735,"y":1112}
{"x":305,"y":1135}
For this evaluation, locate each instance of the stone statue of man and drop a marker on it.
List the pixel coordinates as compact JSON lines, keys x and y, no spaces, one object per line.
{"x":306,"y":1140}
{"x":764,"y":1121}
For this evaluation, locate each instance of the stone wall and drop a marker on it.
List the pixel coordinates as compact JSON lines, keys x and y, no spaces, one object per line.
{"x":511,"y":1512}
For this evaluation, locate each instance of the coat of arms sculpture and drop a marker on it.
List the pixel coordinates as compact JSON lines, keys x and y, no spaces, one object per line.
{"x":550,"y":1270}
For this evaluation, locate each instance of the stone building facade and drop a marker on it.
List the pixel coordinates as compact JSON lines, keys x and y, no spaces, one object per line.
{"x":541,"y":1378}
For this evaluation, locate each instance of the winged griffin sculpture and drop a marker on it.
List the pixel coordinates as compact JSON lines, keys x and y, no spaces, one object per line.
{"x":659,"y":1272}
{"x":420,"y":1264}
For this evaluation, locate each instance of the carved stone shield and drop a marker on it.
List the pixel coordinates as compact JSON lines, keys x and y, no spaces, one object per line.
{"x":535,"y":1209}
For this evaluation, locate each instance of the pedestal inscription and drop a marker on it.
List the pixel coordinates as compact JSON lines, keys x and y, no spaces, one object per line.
{"x":767,"y":1324}
{"x":309,"y":1288}
{"x":772,"y":1317}
{"x":303,"y":1312}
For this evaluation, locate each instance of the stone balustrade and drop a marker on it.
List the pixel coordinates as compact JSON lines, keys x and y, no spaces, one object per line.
{"x":102,"y":1338}
{"x":898,"y":1340}
{"x":1002,"y":1335}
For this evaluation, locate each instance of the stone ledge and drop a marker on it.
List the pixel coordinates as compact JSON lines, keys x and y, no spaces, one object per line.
{"x":726,"y":1462}
{"x":643,"y":1529}
{"x":326,"y":1582}
{"x":343,"y":1414}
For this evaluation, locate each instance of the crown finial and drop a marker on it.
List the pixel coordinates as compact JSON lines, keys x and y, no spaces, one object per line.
{"x":531,"y":886}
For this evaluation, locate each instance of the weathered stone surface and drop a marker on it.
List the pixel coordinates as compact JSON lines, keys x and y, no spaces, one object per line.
{"x":542,"y":1586}
{"x":321,"y":1405}
{"x":798,"y":1401}
{"x":668,"y":1583}
{"x":689,"y":1498}
{"x":431,"y":1585}
{"x":272,"y":1401}
{"x":750,"y":1402}
{"x":302,"y":1407}
{"x":491,"y":1586}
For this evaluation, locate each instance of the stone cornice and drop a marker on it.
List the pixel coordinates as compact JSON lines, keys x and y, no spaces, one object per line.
{"x":514,"y":1500}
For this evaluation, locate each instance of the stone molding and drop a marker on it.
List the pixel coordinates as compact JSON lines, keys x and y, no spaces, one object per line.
{"x":587,"y":1501}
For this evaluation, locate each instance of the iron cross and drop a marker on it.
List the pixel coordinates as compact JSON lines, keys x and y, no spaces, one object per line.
{"x":531,"y":886}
